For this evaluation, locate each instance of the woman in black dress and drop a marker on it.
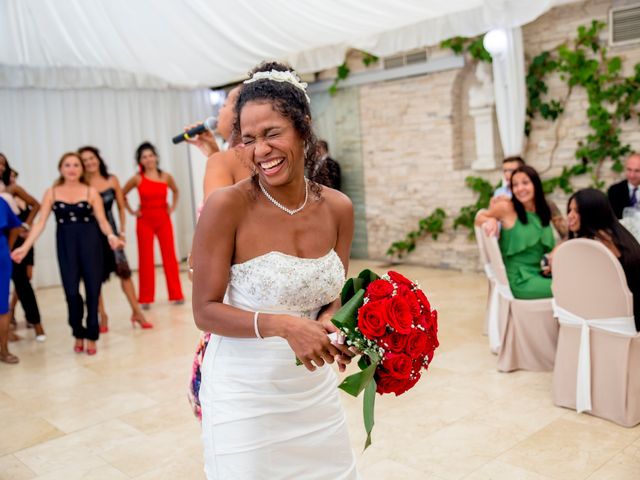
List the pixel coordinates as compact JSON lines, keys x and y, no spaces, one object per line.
{"x":107,"y":185}
{"x":80,"y":217}
{"x":590,"y":215}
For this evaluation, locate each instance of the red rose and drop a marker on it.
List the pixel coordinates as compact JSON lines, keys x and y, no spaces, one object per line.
{"x":372,"y":319}
{"x":418,"y":344}
{"x":425,"y":321}
{"x":431,"y":346}
{"x":399,"y":315}
{"x":403,"y":290}
{"x":386,"y":383}
{"x":395,"y":342}
{"x":398,"y":365}
{"x":400,"y":279}
{"x":433,"y":338}
{"x":379,"y":289}
{"x":423,"y":300}
{"x":418,"y":364}
{"x":409,"y":297}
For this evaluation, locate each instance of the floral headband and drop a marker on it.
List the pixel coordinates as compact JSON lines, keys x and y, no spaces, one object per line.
{"x":280,"y":76}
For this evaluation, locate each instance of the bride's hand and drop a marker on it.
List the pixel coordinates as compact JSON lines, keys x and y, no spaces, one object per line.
{"x":309,"y":341}
{"x":346,"y":353}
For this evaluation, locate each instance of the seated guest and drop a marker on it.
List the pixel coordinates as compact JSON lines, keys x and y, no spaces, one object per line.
{"x":625,"y":193}
{"x":509,"y":165}
{"x":526,"y":234}
{"x":590,"y":215}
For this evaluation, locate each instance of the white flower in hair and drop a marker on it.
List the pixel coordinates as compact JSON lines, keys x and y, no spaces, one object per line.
{"x":280,"y":76}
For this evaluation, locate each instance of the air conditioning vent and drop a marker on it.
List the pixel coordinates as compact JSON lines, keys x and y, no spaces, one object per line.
{"x":409,"y":58}
{"x":624,"y":25}
{"x":416,"y":57}
{"x":394,"y":62}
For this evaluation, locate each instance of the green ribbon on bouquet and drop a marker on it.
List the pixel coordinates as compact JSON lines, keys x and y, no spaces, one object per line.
{"x":346,"y":319}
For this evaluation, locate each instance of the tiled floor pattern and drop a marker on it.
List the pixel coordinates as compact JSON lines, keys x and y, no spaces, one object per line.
{"x":124,"y":414}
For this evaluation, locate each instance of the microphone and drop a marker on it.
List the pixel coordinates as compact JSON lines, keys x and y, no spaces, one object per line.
{"x":209,"y":124}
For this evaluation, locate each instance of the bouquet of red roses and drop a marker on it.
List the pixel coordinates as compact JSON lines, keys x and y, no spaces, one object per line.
{"x":390,"y":320}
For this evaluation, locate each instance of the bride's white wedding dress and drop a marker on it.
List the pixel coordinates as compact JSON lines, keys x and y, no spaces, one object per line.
{"x":264,"y":417}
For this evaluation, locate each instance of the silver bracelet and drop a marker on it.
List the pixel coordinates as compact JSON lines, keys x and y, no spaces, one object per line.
{"x":255,"y":325}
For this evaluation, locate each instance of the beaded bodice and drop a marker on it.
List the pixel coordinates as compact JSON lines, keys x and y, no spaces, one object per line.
{"x":279,"y":283}
{"x":73,"y":213}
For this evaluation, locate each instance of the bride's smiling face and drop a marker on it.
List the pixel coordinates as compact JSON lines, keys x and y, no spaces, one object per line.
{"x":275,"y":146}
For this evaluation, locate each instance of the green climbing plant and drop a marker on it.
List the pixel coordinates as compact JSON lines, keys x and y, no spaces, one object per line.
{"x":433,"y":225}
{"x":584,"y":62}
{"x":612,"y":100}
{"x":344,"y":71}
{"x":467,"y":214}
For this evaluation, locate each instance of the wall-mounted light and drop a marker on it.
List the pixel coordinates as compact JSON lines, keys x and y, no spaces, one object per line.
{"x":495,"y":41}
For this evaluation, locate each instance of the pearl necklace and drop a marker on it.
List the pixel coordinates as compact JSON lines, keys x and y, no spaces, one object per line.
{"x":282,"y":207}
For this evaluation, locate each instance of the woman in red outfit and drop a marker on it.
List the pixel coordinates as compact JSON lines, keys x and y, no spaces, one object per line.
{"x":154,"y":220}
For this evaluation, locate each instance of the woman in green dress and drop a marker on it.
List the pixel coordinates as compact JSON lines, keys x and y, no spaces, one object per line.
{"x":524,"y":225}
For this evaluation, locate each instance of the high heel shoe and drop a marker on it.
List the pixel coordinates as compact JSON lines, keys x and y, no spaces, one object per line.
{"x":137,"y":320}
{"x":104,"y":322}
{"x":93,"y":349}
{"x":78,"y":347}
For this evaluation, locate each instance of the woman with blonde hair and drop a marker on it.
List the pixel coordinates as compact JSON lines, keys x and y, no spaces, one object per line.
{"x":80,"y":218}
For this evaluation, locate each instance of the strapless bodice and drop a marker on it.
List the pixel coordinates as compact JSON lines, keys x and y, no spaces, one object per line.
{"x":279,"y":283}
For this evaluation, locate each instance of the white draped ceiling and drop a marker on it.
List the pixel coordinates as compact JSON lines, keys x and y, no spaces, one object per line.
{"x":192,"y":43}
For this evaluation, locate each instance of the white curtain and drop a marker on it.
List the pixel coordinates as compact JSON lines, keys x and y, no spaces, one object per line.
{"x":510,"y":92}
{"x":38,"y":125}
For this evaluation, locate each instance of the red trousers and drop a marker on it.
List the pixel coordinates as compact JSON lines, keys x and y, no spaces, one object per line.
{"x":156,"y":222}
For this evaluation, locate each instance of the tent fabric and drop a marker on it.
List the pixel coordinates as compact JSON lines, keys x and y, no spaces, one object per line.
{"x":193,"y":43}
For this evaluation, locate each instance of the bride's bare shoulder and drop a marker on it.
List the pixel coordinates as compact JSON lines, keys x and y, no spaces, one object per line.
{"x":336,"y":200}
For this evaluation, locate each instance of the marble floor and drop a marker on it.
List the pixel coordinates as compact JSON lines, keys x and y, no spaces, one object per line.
{"x":124,"y":413}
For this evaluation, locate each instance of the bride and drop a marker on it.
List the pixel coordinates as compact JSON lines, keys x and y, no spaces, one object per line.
{"x":281,"y":243}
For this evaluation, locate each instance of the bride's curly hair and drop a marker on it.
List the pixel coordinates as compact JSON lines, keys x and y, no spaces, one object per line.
{"x":290,"y":102}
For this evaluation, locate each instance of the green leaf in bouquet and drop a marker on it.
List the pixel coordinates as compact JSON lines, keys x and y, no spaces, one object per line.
{"x":368,"y":404}
{"x":356,"y":383}
{"x":364,"y":362}
{"x":349,"y":289}
{"x":354,"y":284}
{"x":367,"y":276}
{"x":347,"y":316}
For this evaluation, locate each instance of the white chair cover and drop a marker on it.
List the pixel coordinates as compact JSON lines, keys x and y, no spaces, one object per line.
{"x":621,"y":325}
{"x":499,"y":289}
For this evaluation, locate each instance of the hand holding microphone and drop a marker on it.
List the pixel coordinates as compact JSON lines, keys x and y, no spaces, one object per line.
{"x":201,"y":136}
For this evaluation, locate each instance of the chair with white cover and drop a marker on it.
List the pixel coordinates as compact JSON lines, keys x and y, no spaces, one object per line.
{"x":528,"y":332}
{"x":492,"y":298}
{"x":598,"y":357}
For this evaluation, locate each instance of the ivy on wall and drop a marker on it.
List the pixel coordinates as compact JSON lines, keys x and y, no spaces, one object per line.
{"x":344,"y":71}
{"x":612,"y":100}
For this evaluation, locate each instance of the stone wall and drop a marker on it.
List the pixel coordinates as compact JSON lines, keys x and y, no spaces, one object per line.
{"x":417,"y":143}
{"x":411,"y":139}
